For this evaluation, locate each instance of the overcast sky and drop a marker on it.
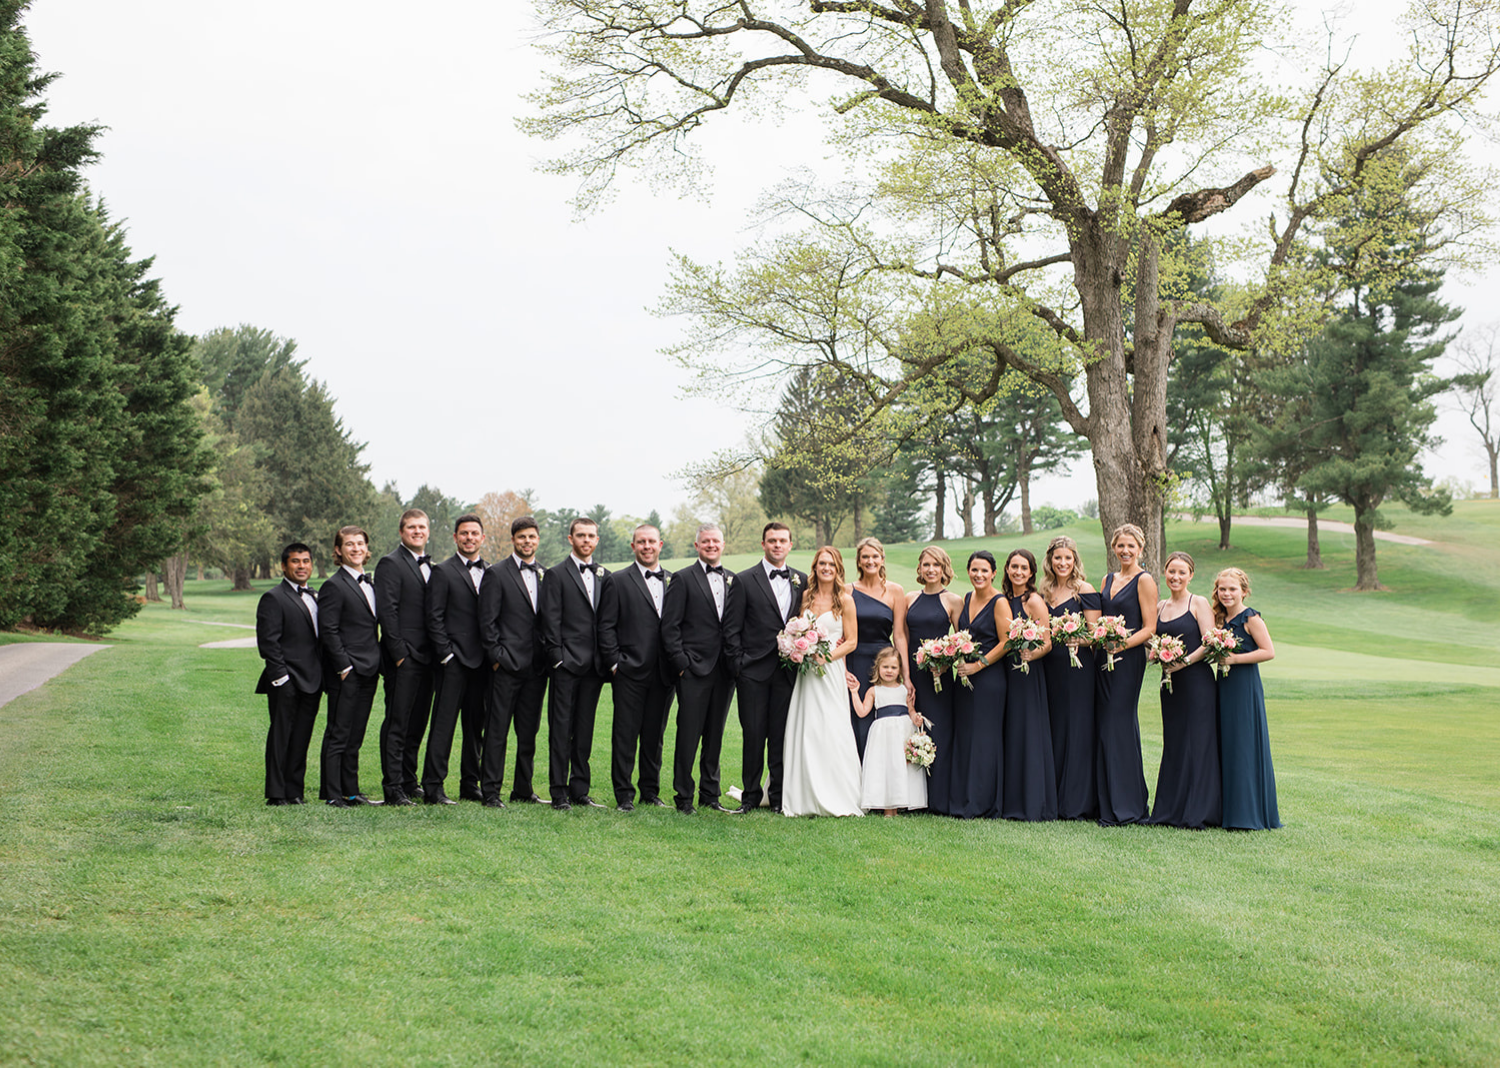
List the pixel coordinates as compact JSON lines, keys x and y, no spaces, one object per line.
{"x":349,"y":175}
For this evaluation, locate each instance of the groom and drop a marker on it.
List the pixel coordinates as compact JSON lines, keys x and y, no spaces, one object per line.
{"x":761,"y":601}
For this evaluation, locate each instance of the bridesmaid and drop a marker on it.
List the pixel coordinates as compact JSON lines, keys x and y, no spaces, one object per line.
{"x":1070,"y":690}
{"x":1244,"y":737}
{"x":880,"y":611}
{"x":1131,"y":593}
{"x":1030,"y":780}
{"x":979,"y":713}
{"x":930,"y":613}
{"x":1187,"y":786}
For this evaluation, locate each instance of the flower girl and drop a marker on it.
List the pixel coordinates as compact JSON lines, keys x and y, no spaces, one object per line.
{"x":888,"y":781}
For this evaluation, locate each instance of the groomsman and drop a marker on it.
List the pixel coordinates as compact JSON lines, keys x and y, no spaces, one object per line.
{"x":286,"y":634}
{"x":401,"y":599}
{"x":692,"y":637}
{"x":761,"y":602}
{"x":630,"y":645}
{"x":570,"y":603}
{"x":462,"y":674}
{"x":512,"y":637}
{"x":351,"y":666}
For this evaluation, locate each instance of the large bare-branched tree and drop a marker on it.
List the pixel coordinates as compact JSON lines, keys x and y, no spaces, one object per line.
{"x":1019,"y":165}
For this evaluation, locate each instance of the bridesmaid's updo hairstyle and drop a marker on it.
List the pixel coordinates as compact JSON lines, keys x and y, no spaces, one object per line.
{"x":840,"y":587}
{"x":1076,"y":578}
{"x":1236,"y":576}
{"x":1179,"y":555}
{"x":985,"y":555}
{"x":1024,"y":554}
{"x":1128,"y":528}
{"x":888,"y":653}
{"x":870,"y":543}
{"x":941,"y":558}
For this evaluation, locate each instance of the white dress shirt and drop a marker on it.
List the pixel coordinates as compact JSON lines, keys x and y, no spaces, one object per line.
{"x":426,"y":569}
{"x":781,"y":587}
{"x":654,"y":586}
{"x":588,"y":576}
{"x":716,"y":584}
{"x":366,"y":588}
{"x":528,"y":576}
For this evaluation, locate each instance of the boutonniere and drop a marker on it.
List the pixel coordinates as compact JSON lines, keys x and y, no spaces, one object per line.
{"x":602,"y":572}
{"x":539,"y":575}
{"x":728,"y":581}
{"x":667,"y":581}
{"x":796,"y":581}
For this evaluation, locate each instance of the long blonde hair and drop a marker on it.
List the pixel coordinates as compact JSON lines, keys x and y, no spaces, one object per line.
{"x":1076,"y":578}
{"x":840,"y":586}
{"x":1240,"y":579}
{"x":944,"y":562}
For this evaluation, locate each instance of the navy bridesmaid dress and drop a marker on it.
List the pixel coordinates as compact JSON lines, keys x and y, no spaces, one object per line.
{"x":876,"y":625}
{"x":1030,"y":777}
{"x":1245,"y":741}
{"x":1187,"y":786}
{"x":1118,"y":770}
{"x":978,"y":725}
{"x":1070,"y":711}
{"x":927,"y":618}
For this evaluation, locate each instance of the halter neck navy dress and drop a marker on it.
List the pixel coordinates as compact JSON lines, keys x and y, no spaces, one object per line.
{"x":978,"y":725}
{"x":1070,"y":711}
{"x":1117,"y":754}
{"x":1030,"y":791}
{"x":877,"y":622}
{"x":927,"y":618}
{"x":1245,"y":741}
{"x":1187,"y":786}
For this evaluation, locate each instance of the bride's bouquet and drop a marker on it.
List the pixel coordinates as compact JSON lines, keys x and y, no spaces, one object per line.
{"x":803,"y":645}
{"x":1218,"y":643}
{"x":1110,"y":634}
{"x":942,"y":654}
{"x":921,"y":750}
{"x":1166,"y":650}
{"x":1071,"y":629}
{"x":1025,"y":634}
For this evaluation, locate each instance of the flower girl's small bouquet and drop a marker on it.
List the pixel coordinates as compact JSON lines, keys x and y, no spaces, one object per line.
{"x":1026,"y":633}
{"x":921,"y":750}
{"x":1110,"y":634}
{"x":942,"y":654}
{"x":1217,"y":645}
{"x":1070,"y":629}
{"x":803,"y":645}
{"x":1166,"y":650}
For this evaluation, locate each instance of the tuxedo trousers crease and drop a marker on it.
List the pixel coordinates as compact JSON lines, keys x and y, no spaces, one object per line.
{"x":292,"y":715}
{"x":408,"y":701}
{"x":702,"y":711}
{"x":514,"y":700}
{"x":763,"y":708}
{"x":572,"y":702}
{"x":638,"y":733}
{"x":349,"y":702}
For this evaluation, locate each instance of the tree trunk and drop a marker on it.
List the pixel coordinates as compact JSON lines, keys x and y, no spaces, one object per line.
{"x":1366,"y":576}
{"x":1025,"y":481}
{"x":200,"y":570}
{"x":1225,"y":521}
{"x":1314,"y":551}
{"x":987,"y":503}
{"x":859,"y":525}
{"x":152,"y":594}
{"x":241,"y":576}
{"x":966,"y":508}
{"x":174,"y":574}
{"x":1494,"y":452}
{"x":941,"y":506}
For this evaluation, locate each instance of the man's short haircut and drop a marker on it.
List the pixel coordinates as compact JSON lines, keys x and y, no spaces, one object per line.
{"x":646,"y":526}
{"x":774,"y":525}
{"x":294,"y":547}
{"x":410,"y":513}
{"x":523,"y":522}
{"x":705,"y":528}
{"x":343,"y":533}
{"x":581,"y":521}
{"x":467,"y":517}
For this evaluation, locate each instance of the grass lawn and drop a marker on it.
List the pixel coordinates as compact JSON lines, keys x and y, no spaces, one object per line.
{"x":153,"y":911}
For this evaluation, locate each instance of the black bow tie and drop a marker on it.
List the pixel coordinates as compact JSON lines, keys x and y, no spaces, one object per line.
{"x":784,"y":573}
{"x":524,"y":566}
{"x":657,"y":575}
{"x":477,"y":563}
{"x":424,"y":560}
{"x":366,"y":578}
{"x":587,"y":567}
{"x":713,"y":569}
{"x":304,"y":589}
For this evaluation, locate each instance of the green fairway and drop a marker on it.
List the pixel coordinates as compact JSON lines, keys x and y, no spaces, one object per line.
{"x":153,"y":911}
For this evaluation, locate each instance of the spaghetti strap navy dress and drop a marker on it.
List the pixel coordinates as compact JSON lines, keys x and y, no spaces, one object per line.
{"x":877,"y":622}
{"x":1245,"y":741}
{"x":927,"y":618}
{"x":1187,"y":786}
{"x":978,"y":725}
{"x":1117,"y":753}
{"x":1070,"y":712}
{"x":1030,"y":779}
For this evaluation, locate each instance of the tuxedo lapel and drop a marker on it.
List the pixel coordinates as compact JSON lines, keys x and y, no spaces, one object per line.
{"x":351,"y":584}
{"x":461,"y":568}
{"x":571,"y":567}
{"x":799,"y":583}
{"x":512,"y":571}
{"x":639,"y":582}
{"x":301,"y":602}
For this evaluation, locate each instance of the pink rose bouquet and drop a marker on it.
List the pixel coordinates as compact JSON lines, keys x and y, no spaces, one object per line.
{"x":803,"y":646}
{"x":1026,"y":634}
{"x":1071,"y":629}
{"x":1168,"y":651}
{"x":1217,"y":645}
{"x":942,"y":654}
{"x":1110,"y":634}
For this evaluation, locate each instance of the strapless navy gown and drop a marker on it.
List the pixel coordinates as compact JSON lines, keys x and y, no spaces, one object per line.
{"x":1070,"y":711}
{"x":1118,"y":770}
{"x":927,"y":618}
{"x":1187,"y":786}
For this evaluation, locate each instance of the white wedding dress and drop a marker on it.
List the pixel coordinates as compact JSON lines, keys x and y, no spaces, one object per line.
{"x":820,"y":775}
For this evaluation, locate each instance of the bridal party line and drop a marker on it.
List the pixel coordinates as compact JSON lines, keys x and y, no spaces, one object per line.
{"x":1015,"y":700}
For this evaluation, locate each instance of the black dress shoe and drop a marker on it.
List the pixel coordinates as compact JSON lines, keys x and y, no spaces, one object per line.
{"x":562,"y":805}
{"x":437,"y":797}
{"x":276,"y":801}
{"x":492,"y":802}
{"x":586,"y":802}
{"x":527,"y":799}
{"x":625,"y":806}
{"x":687,"y":810}
{"x":362,"y":799}
{"x":415,"y":791}
{"x":743,"y":810}
{"x":715,"y":806}
{"x":658,"y":802}
{"x":468,"y":793}
{"x":338,"y":802}
{"x":295,"y":801}
{"x":398,"y":799}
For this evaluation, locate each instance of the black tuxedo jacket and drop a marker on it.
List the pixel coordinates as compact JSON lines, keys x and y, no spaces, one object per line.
{"x":569,"y":620}
{"x":692,"y":634}
{"x":453,"y":613}
{"x":287,"y":640}
{"x":508,"y":625}
{"x":629,"y":628}
{"x":347,"y":627}
{"x":401,"y":602}
{"x":752,"y":619}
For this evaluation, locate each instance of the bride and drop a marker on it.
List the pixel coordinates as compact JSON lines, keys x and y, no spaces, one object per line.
{"x":821,"y":776}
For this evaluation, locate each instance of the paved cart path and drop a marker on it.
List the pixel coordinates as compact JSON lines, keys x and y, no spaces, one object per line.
{"x":25,"y":666}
